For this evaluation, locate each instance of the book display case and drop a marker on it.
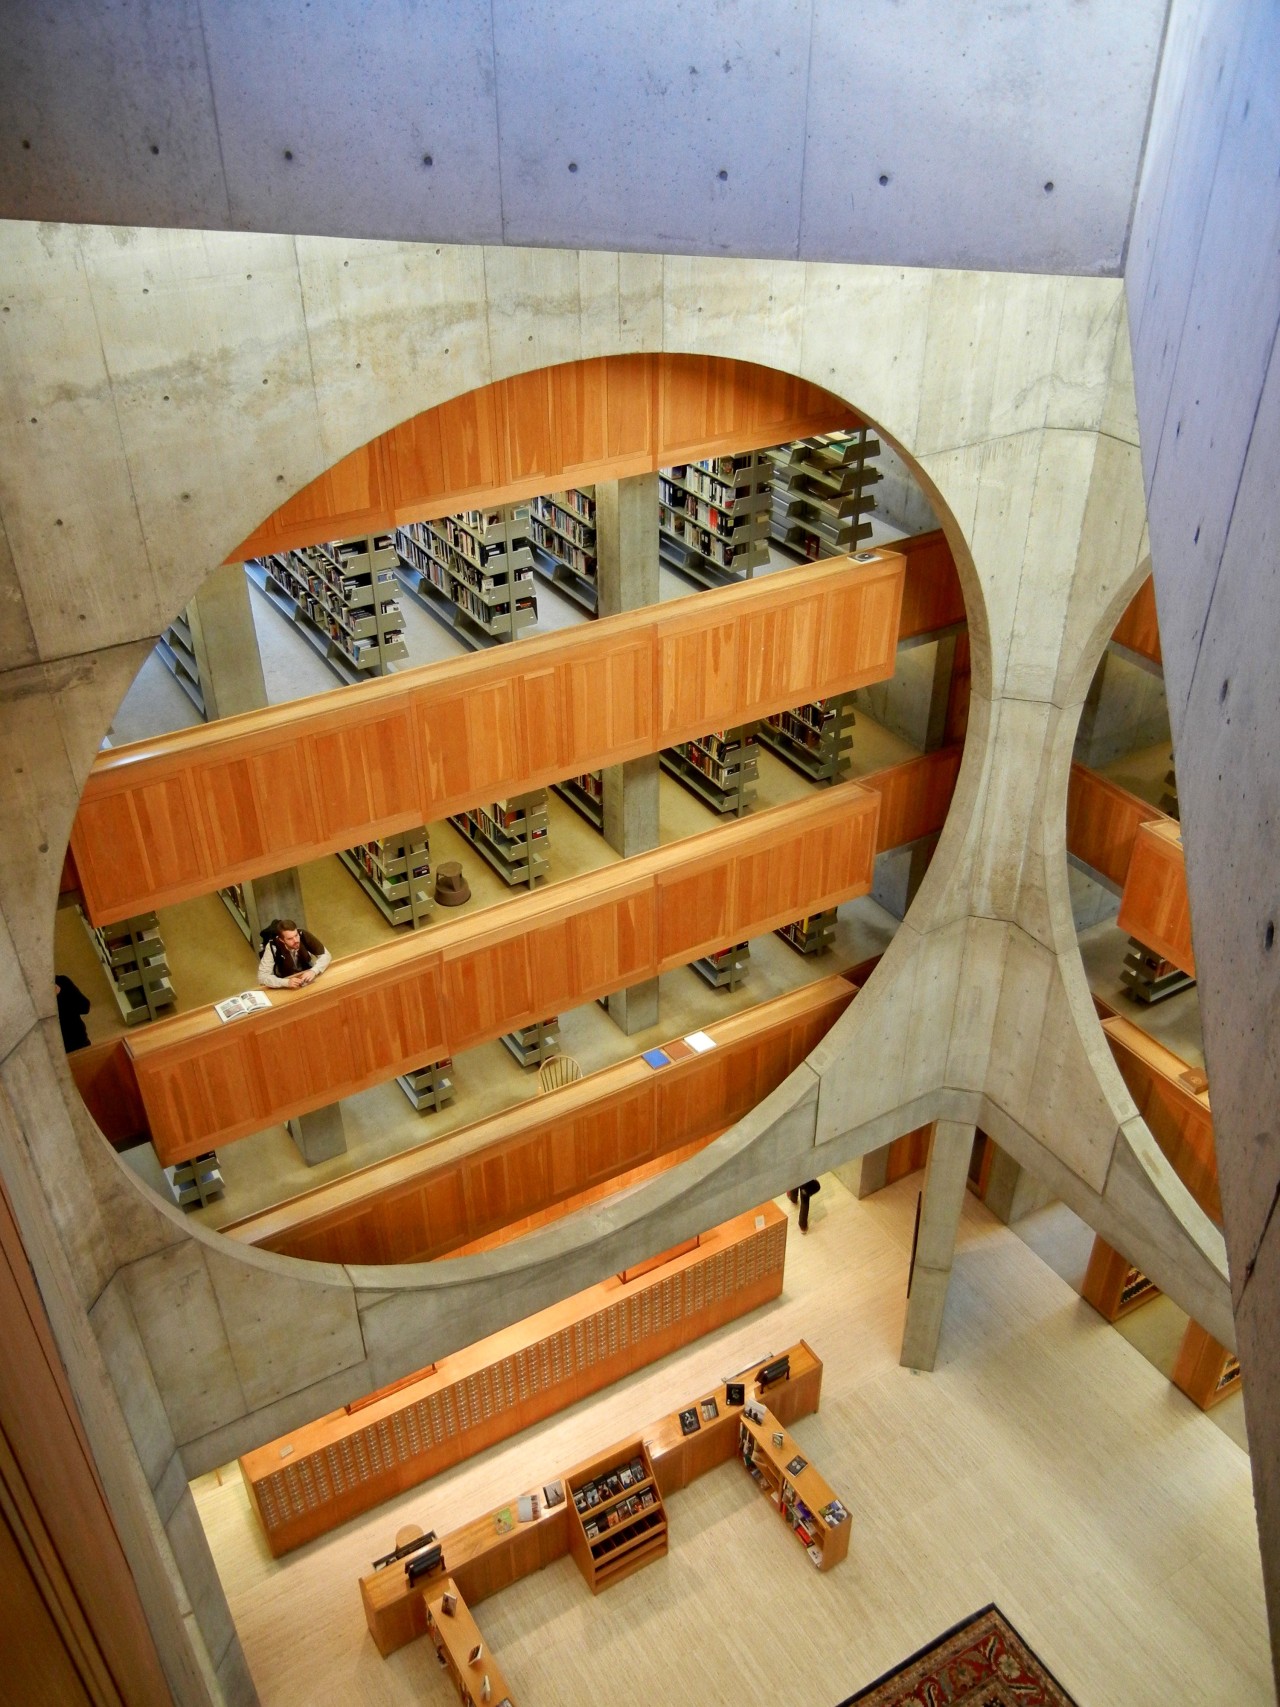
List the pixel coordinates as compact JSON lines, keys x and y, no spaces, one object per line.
{"x":511,"y":835}
{"x":177,"y":653}
{"x":562,"y":534}
{"x":721,"y":768}
{"x":395,"y":872}
{"x":132,"y":954}
{"x":473,"y":572}
{"x":726,"y":969}
{"x":814,"y":739}
{"x":429,"y":1088}
{"x":342,"y":598}
{"x":618,"y":1522}
{"x":794,"y":1488}
{"x":821,"y":492}
{"x":714,"y":517}
{"x":812,"y":935}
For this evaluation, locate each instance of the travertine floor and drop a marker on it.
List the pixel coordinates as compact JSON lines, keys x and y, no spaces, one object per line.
{"x":1044,"y":1465}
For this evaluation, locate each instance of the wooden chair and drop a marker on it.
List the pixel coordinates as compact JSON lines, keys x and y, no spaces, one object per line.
{"x":558,"y":1070}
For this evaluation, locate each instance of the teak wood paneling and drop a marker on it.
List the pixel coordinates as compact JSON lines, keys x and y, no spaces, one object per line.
{"x":571,"y":425}
{"x":308,"y":1482}
{"x":1179,"y":1118}
{"x":1103,"y":821}
{"x":914,"y":796}
{"x":392,"y":1008}
{"x":182,"y":815}
{"x":932,"y":597}
{"x":1155,"y":906}
{"x":482,"y":1561}
{"x":413,"y":1208}
{"x":1138,"y":629}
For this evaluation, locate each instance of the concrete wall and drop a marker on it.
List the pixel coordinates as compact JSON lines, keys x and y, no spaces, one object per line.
{"x":1203,"y":286}
{"x":160,"y":392}
{"x":979,"y":133}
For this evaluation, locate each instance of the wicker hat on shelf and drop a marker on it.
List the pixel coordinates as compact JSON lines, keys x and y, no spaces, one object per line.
{"x":452,"y":888}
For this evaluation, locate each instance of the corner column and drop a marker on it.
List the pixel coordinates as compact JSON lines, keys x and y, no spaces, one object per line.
{"x":225,"y":643}
{"x":626,"y":578}
{"x":945,"y":1178}
{"x":900,"y":871}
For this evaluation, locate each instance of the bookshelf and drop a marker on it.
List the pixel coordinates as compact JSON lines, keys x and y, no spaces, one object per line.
{"x":342,"y":599}
{"x":812,"y":935}
{"x":814,"y":739}
{"x":395,"y":872}
{"x":562,"y":535}
{"x":721,"y":768}
{"x":177,"y":653}
{"x":238,"y":899}
{"x":132,"y":954}
{"x":821,"y":492}
{"x":794,"y":1488}
{"x":618,"y":1521}
{"x":431,"y":1087}
{"x":456,"y":1637}
{"x":197,"y":1181}
{"x":473,"y":572}
{"x":533,"y":1044}
{"x":714,"y":517}
{"x":1148,"y":977}
{"x":511,"y":835}
{"x":727,"y":969}
{"x":585,"y":794}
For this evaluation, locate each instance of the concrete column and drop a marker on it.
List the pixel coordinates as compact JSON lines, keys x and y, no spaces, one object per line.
{"x":899,"y":872}
{"x":1011,"y":1191}
{"x":945,"y":1178}
{"x":225,"y":643}
{"x":869,"y":1174}
{"x":626,"y":578}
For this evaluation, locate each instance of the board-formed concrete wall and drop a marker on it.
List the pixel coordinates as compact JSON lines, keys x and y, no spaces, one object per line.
{"x":162,"y":392}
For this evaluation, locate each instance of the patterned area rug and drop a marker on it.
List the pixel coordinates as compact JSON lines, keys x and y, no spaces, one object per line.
{"x":981,"y":1662}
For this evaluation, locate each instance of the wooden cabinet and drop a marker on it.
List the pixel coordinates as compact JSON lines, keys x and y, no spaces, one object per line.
{"x":617,"y":1522}
{"x":794,"y":1488}
{"x":1155,"y":906}
{"x":462,"y":1650}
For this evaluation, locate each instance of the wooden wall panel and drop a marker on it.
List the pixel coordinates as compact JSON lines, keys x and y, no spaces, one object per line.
{"x":187,"y":813}
{"x":570,"y":425}
{"x":1138,"y":629}
{"x":1103,"y":821}
{"x":405,"y":1003}
{"x":1155,"y":906}
{"x":932,"y":597}
{"x":103,"y":1075}
{"x":915,"y":796}
{"x":525,"y":1160}
{"x":1179,"y":1117}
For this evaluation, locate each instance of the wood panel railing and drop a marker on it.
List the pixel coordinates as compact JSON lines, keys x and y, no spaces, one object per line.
{"x":187,"y":813}
{"x":570,"y":425}
{"x":1103,"y":821}
{"x":550,"y":1149}
{"x":914,"y":796}
{"x":402,"y":1004}
{"x":932,"y":597}
{"x":1177,"y":1115}
{"x":1138,"y":630}
{"x":1155,"y":906}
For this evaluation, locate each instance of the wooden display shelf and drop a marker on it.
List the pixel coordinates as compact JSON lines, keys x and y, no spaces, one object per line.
{"x":486,"y":1555}
{"x":456,"y":1638}
{"x":1204,"y":1370}
{"x":317,"y":1477}
{"x":796,"y":1490}
{"x":1112,"y":1284}
{"x":615,"y":1526}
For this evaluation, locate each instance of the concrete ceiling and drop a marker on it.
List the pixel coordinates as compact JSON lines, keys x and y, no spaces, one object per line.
{"x":1000,"y":134}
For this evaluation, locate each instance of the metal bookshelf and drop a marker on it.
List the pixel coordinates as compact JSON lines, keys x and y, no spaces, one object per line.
{"x":821,"y":492}
{"x":511,"y":835}
{"x":342,"y":599}
{"x":395,"y":872}
{"x":177,"y":653}
{"x":714,"y":518}
{"x":814,"y":739}
{"x":133,"y":957}
{"x":720,"y":768}
{"x":562,"y":533}
{"x":473,"y":572}
{"x":727,"y":969}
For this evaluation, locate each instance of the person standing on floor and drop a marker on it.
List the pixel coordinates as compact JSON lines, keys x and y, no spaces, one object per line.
{"x":291,"y":957}
{"x":73,"y":1005}
{"x":801,"y":1194}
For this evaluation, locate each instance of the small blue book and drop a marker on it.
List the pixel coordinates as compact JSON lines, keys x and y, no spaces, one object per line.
{"x":656,"y":1057}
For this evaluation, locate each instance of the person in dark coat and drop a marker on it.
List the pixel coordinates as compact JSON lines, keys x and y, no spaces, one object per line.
{"x":801,"y":1194}
{"x":73,"y":1005}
